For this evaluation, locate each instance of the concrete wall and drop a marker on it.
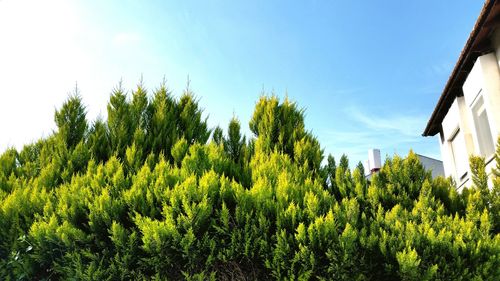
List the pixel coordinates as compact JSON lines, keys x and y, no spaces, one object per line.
{"x":432,"y":164}
{"x":457,"y":119}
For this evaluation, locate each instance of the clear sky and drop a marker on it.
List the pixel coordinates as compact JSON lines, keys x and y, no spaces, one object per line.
{"x":368,"y":73}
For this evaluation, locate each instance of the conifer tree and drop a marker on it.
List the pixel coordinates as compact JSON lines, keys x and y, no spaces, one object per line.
{"x":234,"y":144}
{"x":71,"y":121}
{"x":163,"y":132}
{"x":120,"y":123}
{"x":29,"y":159}
{"x":141,"y":116}
{"x":99,"y":141}
{"x":8,"y":166}
{"x":218,"y":135}
{"x":179,"y":150}
{"x":169,"y":208}
{"x":191,"y":125}
{"x":8,"y":162}
{"x":280,"y":127}
{"x":344,"y":162}
{"x":480,"y":180}
{"x":495,"y":192}
{"x":140,"y":108}
{"x":329,"y":173}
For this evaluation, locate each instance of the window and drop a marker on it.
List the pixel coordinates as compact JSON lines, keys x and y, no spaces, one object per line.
{"x":484,"y":137}
{"x":459,"y":154}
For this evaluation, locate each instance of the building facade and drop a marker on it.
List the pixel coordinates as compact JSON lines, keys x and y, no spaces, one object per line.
{"x":374,"y":163}
{"x":467,"y":115}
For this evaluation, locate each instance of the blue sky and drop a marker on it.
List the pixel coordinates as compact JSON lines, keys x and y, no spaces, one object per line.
{"x":368,"y":73}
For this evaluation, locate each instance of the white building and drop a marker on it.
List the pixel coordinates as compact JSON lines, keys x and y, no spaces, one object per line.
{"x":374,"y":164}
{"x":467,"y":115}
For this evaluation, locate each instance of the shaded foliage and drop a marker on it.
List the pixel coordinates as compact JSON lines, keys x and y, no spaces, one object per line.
{"x":71,"y":122}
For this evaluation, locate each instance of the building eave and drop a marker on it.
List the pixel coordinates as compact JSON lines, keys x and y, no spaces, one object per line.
{"x":476,"y":45}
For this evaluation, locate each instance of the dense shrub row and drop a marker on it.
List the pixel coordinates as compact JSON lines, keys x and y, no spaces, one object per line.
{"x":147,"y":194}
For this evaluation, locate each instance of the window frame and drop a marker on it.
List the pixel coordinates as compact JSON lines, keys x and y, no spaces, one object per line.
{"x":461,"y":171}
{"x":483,"y":132}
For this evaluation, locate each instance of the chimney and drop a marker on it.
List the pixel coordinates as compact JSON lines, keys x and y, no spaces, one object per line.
{"x":374,"y":160}
{"x":366,"y":165}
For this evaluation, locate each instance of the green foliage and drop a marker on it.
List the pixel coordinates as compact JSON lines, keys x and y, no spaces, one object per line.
{"x":408,"y":264}
{"x":179,"y":150}
{"x":120,"y":124}
{"x":329,"y":171}
{"x":99,"y":141}
{"x":281,"y":127}
{"x":8,"y":167}
{"x":234,"y":144}
{"x":218,"y":135}
{"x":70,"y":121}
{"x":142,"y":196}
{"x":190,"y":122}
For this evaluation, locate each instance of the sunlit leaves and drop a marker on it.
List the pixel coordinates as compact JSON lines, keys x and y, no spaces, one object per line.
{"x":141,"y":195}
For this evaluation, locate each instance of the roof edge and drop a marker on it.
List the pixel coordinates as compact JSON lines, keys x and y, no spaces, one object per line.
{"x":433,"y":125}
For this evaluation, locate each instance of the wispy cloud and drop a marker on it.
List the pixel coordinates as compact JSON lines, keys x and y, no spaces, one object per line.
{"x":403,"y":124}
{"x":393,"y":133}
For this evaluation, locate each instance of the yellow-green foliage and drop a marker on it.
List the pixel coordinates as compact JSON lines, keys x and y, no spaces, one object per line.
{"x":144,"y":195}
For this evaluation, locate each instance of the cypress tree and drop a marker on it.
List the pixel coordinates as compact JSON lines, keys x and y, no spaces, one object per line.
{"x":99,"y":141}
{"x":163,"y":132}
{"x":218,"y":135}
{"x":120,"y":125}
{"x":230,"y":209}
{"x":234,"y":144}
{"x":190,"y":122}
{"x":71,"y":121}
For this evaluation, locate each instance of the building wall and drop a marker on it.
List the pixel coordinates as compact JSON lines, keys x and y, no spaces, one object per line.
{"x":456,"y":127}
{"x":494,"y":84}
{"x":432,"y":164}
{"x":481,"y":90}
